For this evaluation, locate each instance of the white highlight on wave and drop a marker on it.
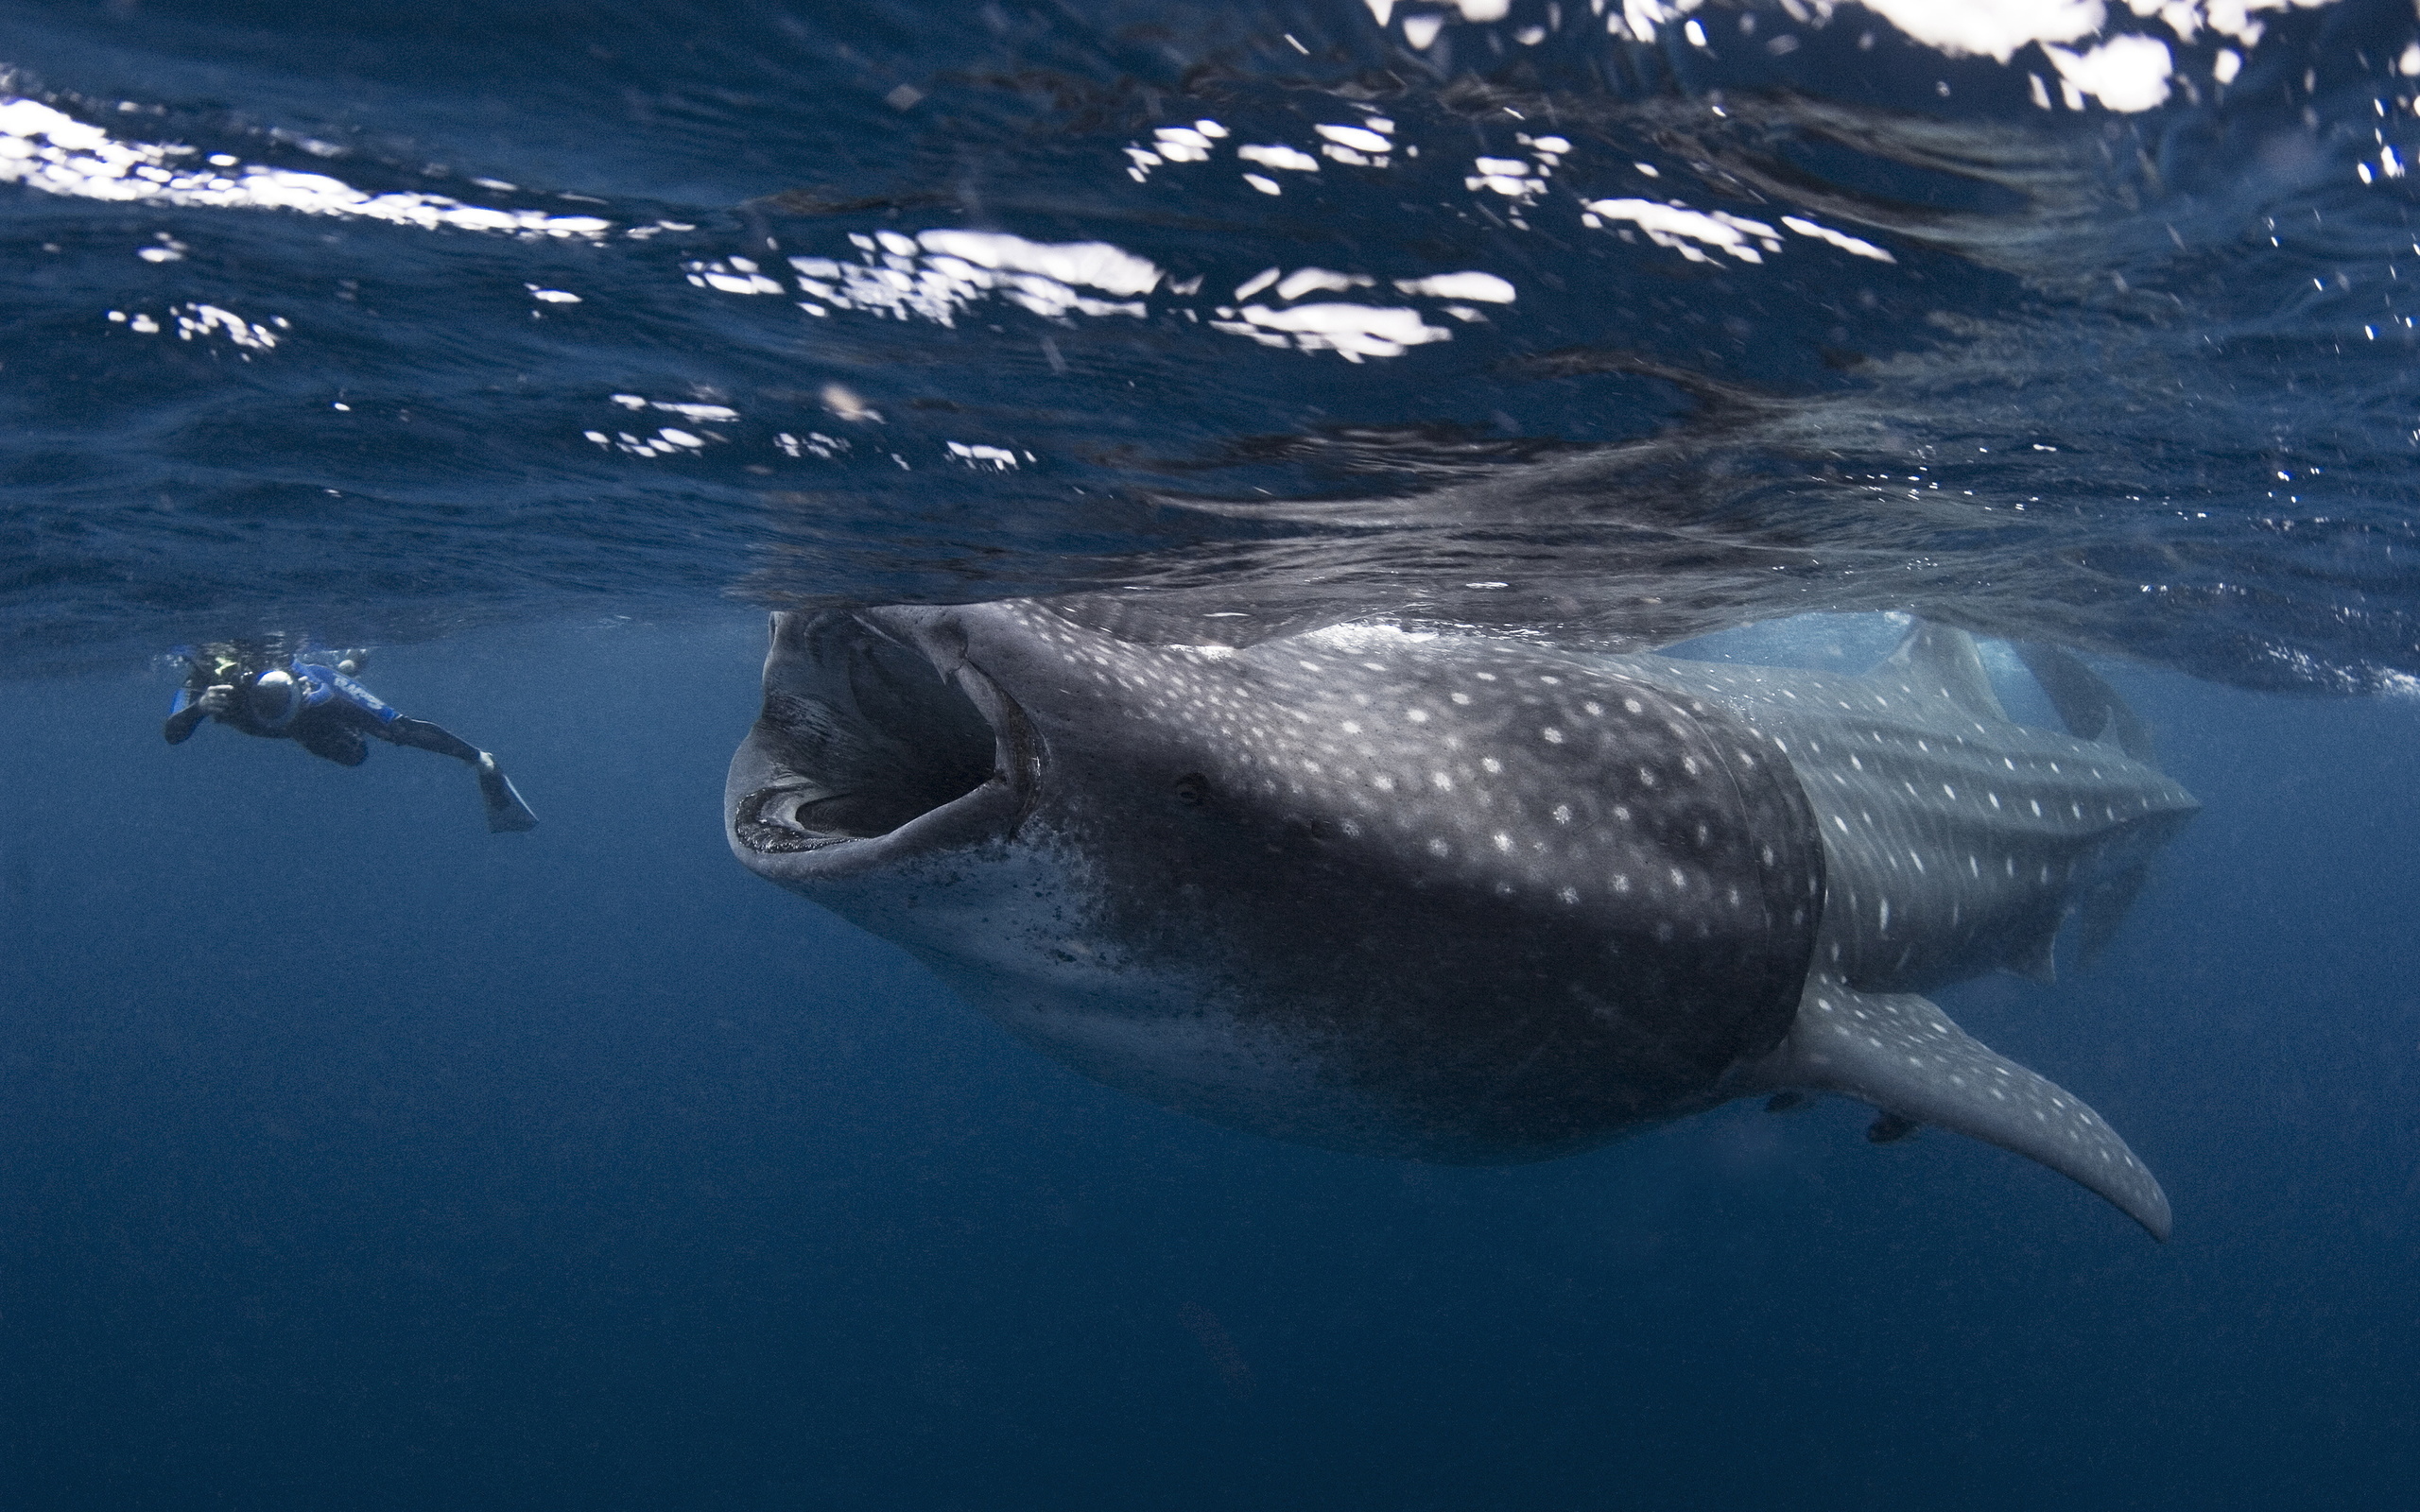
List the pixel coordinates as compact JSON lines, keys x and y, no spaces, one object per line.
{"x":1173,"y":144}
{"x":668,"y":441}
{"x":1516,"y":179}
{"x":817,"y":442}
{"x":1366,"y":144}
{"x":1994,"y":28}
{"x":1279,"y":156}
{"x":1353,"y":332}
{"x":50,"y":150}
{"x":2128,"y":73}
{"x":977,"y":455}
{"x":1998,"y":28}
{"x":1357,"y":147}
{"x":1485,"y":287}
{"x":1094,"y":264}
{"x":936,"y":274}
{"x":734,"y":275}
{"x":1692,"y":232}
{"x":1846,"y":243}
{"x":198,"y":319}
{"x":695,"y":412}
{"x":1313,"y":281}
{"x":1697,"y":233}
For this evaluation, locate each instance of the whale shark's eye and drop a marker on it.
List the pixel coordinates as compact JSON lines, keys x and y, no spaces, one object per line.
{"x":1192,"y":790}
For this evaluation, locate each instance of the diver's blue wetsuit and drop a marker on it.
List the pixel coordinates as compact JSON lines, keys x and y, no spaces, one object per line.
{"x":328,"y":715}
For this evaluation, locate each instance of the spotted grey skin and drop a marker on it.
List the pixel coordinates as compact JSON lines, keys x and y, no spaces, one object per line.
{"x":1445,"y":898}
{"x":1957,"y":841}
{"x":1339,"y":888}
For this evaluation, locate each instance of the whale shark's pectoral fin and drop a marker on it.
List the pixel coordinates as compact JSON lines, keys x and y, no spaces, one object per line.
{"x":1940,"y":662}
{"x":1901,"y":1053}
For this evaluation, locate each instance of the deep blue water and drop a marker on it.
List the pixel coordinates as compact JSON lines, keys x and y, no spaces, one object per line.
{"x":350,"y":1156}
{"x":357,"y":1157}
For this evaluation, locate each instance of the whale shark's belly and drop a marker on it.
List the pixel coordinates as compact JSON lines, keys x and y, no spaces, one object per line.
{"x":1435,"y":1033}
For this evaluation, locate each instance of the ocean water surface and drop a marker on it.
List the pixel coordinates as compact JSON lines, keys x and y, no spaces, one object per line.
{"x":354,"y":1155}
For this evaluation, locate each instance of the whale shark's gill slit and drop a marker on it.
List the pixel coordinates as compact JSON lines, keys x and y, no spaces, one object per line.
{"x":870,"y":736}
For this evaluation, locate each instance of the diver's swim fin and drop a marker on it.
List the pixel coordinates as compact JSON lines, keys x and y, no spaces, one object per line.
{"x":506,"y":812}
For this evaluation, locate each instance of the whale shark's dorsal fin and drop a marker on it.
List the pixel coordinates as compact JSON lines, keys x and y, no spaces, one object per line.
{"x":1901,"y":1053}
{"x":1937,"y":661}
{"x":2088,"y":705}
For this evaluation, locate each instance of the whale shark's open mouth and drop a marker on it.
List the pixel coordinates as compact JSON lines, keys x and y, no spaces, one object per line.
{"x":862,"y":735}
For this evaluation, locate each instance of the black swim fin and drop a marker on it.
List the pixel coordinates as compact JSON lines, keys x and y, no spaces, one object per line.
{"x":506,"y":812}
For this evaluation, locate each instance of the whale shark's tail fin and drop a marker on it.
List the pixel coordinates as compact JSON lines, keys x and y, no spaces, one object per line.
{"x":2090,"y":707}
{"x":1901,"y":1053}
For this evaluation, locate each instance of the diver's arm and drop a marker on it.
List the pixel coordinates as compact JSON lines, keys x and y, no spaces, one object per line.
{"x":182,"y":724}
{"x":213,"y":700}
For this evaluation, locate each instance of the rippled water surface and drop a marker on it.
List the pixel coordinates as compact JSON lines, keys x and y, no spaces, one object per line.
{"x":395,"y":321}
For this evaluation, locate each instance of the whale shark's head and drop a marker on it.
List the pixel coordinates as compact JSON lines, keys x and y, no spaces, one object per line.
{"x":1448,"y":898}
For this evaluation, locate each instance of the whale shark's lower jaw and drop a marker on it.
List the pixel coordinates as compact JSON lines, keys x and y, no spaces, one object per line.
{"x":769,"y":821}
{"x":870,"y":749}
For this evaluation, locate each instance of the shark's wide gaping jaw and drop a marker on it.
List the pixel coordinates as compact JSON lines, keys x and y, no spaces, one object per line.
{"x":869,"y":755}
{"x":1452,"y":898}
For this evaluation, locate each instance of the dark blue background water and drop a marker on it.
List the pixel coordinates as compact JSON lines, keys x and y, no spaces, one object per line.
{"x":358,"y":1158}
{"x":350,"y":1156}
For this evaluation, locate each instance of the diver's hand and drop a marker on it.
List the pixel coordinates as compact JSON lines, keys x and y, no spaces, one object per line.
{"x":217,"y":699}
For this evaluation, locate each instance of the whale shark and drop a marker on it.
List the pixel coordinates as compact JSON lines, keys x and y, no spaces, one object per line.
{"x":1461,"y":897}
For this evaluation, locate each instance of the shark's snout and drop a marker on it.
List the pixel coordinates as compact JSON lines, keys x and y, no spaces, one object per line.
{"x":875,"y":740}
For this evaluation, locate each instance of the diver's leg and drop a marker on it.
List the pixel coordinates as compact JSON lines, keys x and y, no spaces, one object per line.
{"x":338,"y":743}
{"x":506,"y":812}
{"x":405,"y":730}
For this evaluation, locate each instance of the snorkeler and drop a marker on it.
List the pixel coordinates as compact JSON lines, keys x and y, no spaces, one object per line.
{"x":317,"y":705}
